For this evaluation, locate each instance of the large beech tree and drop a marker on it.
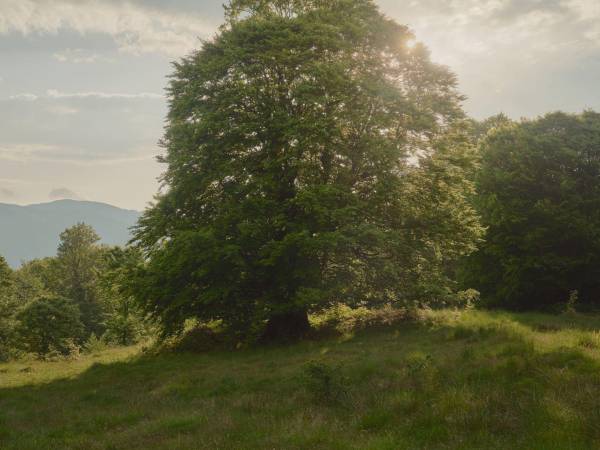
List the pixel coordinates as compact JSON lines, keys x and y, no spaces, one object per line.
{"x":313,"y":155}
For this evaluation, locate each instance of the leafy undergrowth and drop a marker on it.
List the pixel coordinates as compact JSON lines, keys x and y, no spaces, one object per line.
{"x":472,"y":380}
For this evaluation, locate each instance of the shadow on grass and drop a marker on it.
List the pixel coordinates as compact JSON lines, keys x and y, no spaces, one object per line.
{"x":434,"y":385}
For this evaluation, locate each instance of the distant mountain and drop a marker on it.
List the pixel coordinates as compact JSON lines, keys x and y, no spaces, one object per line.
{"x":28,"y":232}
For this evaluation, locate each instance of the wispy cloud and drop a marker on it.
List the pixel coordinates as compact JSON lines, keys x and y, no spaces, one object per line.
{"x":461,"y":28}
{"x":62,"y":110}
{"x":523,"y":57}
{"x":134,"y":27}
{"x":63,"y":194}
{"x":28,"y":97}
{"x":27,"y":153}
{"x":80,"y":56}
{"x":7,"y":194}
{"x":54,"y":94}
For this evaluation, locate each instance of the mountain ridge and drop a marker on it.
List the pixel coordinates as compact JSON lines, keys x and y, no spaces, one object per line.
{"x":32,"y":231}
{"x":69,"y":201}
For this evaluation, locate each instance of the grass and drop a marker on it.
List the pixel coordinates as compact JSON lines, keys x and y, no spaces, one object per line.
{"x":472,"y":380}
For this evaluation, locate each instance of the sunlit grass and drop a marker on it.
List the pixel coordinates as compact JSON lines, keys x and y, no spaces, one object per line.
{"x":34,"y":372}
{"x":473,"y":380}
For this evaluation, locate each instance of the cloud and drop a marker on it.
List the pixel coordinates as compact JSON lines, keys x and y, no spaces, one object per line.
{"x":80,"y":156}
{"x":460,"y":28}
{"x":79,"y":56}
{"x":134,"y":27}
{"x":78,"y":128}
{"x":54,"y":94}
{"x":523,"y":57}
{"x":63,"y":194}
{"x":62,"y":110}
{"x":25,"y":96}
{"x":25,"y":152}
{"x":7,"y":194}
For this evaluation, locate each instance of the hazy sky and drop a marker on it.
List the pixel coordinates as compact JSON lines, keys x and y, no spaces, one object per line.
{"x":81,"y":81}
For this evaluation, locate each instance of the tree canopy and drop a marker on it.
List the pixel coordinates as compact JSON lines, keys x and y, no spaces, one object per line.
{"x":77,"y":262}
{"x":539,"y":196}
{"x":49,"y":324}
{"x":7,"y":307}
{"x":314,"y":156}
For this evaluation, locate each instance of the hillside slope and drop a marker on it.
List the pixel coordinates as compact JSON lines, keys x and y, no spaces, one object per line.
{"x":28,"y":232}
{"x":475,"y":380}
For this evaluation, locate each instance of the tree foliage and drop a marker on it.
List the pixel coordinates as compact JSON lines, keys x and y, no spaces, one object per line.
{"x":55,"y":304}
{"x":313,"y":156}
{"x":7,"y":309}
{"x":36,"y":278}
{"x":539,"y":196}
{"x":122,"y":319}
{"x":78,"y":262}
{"x":49,"y":324}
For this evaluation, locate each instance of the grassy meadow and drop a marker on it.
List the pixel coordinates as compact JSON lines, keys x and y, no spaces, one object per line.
{"x":452,"y":380}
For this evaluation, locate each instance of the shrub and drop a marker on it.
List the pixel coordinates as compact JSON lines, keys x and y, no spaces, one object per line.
{"x":94,"y":344}
{"x":201,"y":338}
{"x":467,"y":299}
{"x":49,"y":325}
{"x":343,"y":319}
{"x":571,"y":302}
{"x":325,"y":383}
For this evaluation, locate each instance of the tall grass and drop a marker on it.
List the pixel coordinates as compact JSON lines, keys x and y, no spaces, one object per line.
{"x":472,"y":380}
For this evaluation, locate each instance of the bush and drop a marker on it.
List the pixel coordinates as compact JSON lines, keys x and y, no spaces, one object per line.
{"x":49,"y":325}
{"x":201,"y":338}
{"x":467,"y":299}
{"x":325,"y":383}
{"x":571,"y":303}
{"x":94,"y":345}
{"x":343,"y":319}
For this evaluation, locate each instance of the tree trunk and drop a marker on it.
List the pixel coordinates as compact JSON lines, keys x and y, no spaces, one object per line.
{"x":287,"y":326}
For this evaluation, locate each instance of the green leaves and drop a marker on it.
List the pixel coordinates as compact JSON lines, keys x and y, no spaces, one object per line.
{"x":540,"y":199}
{"x":7,"y":309}
{"x":49,"y":324}
{"x":78,"y":263}
{"x":292,"y":178}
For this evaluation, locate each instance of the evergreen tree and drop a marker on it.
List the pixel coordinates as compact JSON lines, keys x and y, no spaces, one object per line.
{"x":313,"y":156}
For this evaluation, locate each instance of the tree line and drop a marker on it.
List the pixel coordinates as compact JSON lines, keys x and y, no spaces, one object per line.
{"x":538,"y":196}
{"x":56,"y":305}
{"x":315,"y":156}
